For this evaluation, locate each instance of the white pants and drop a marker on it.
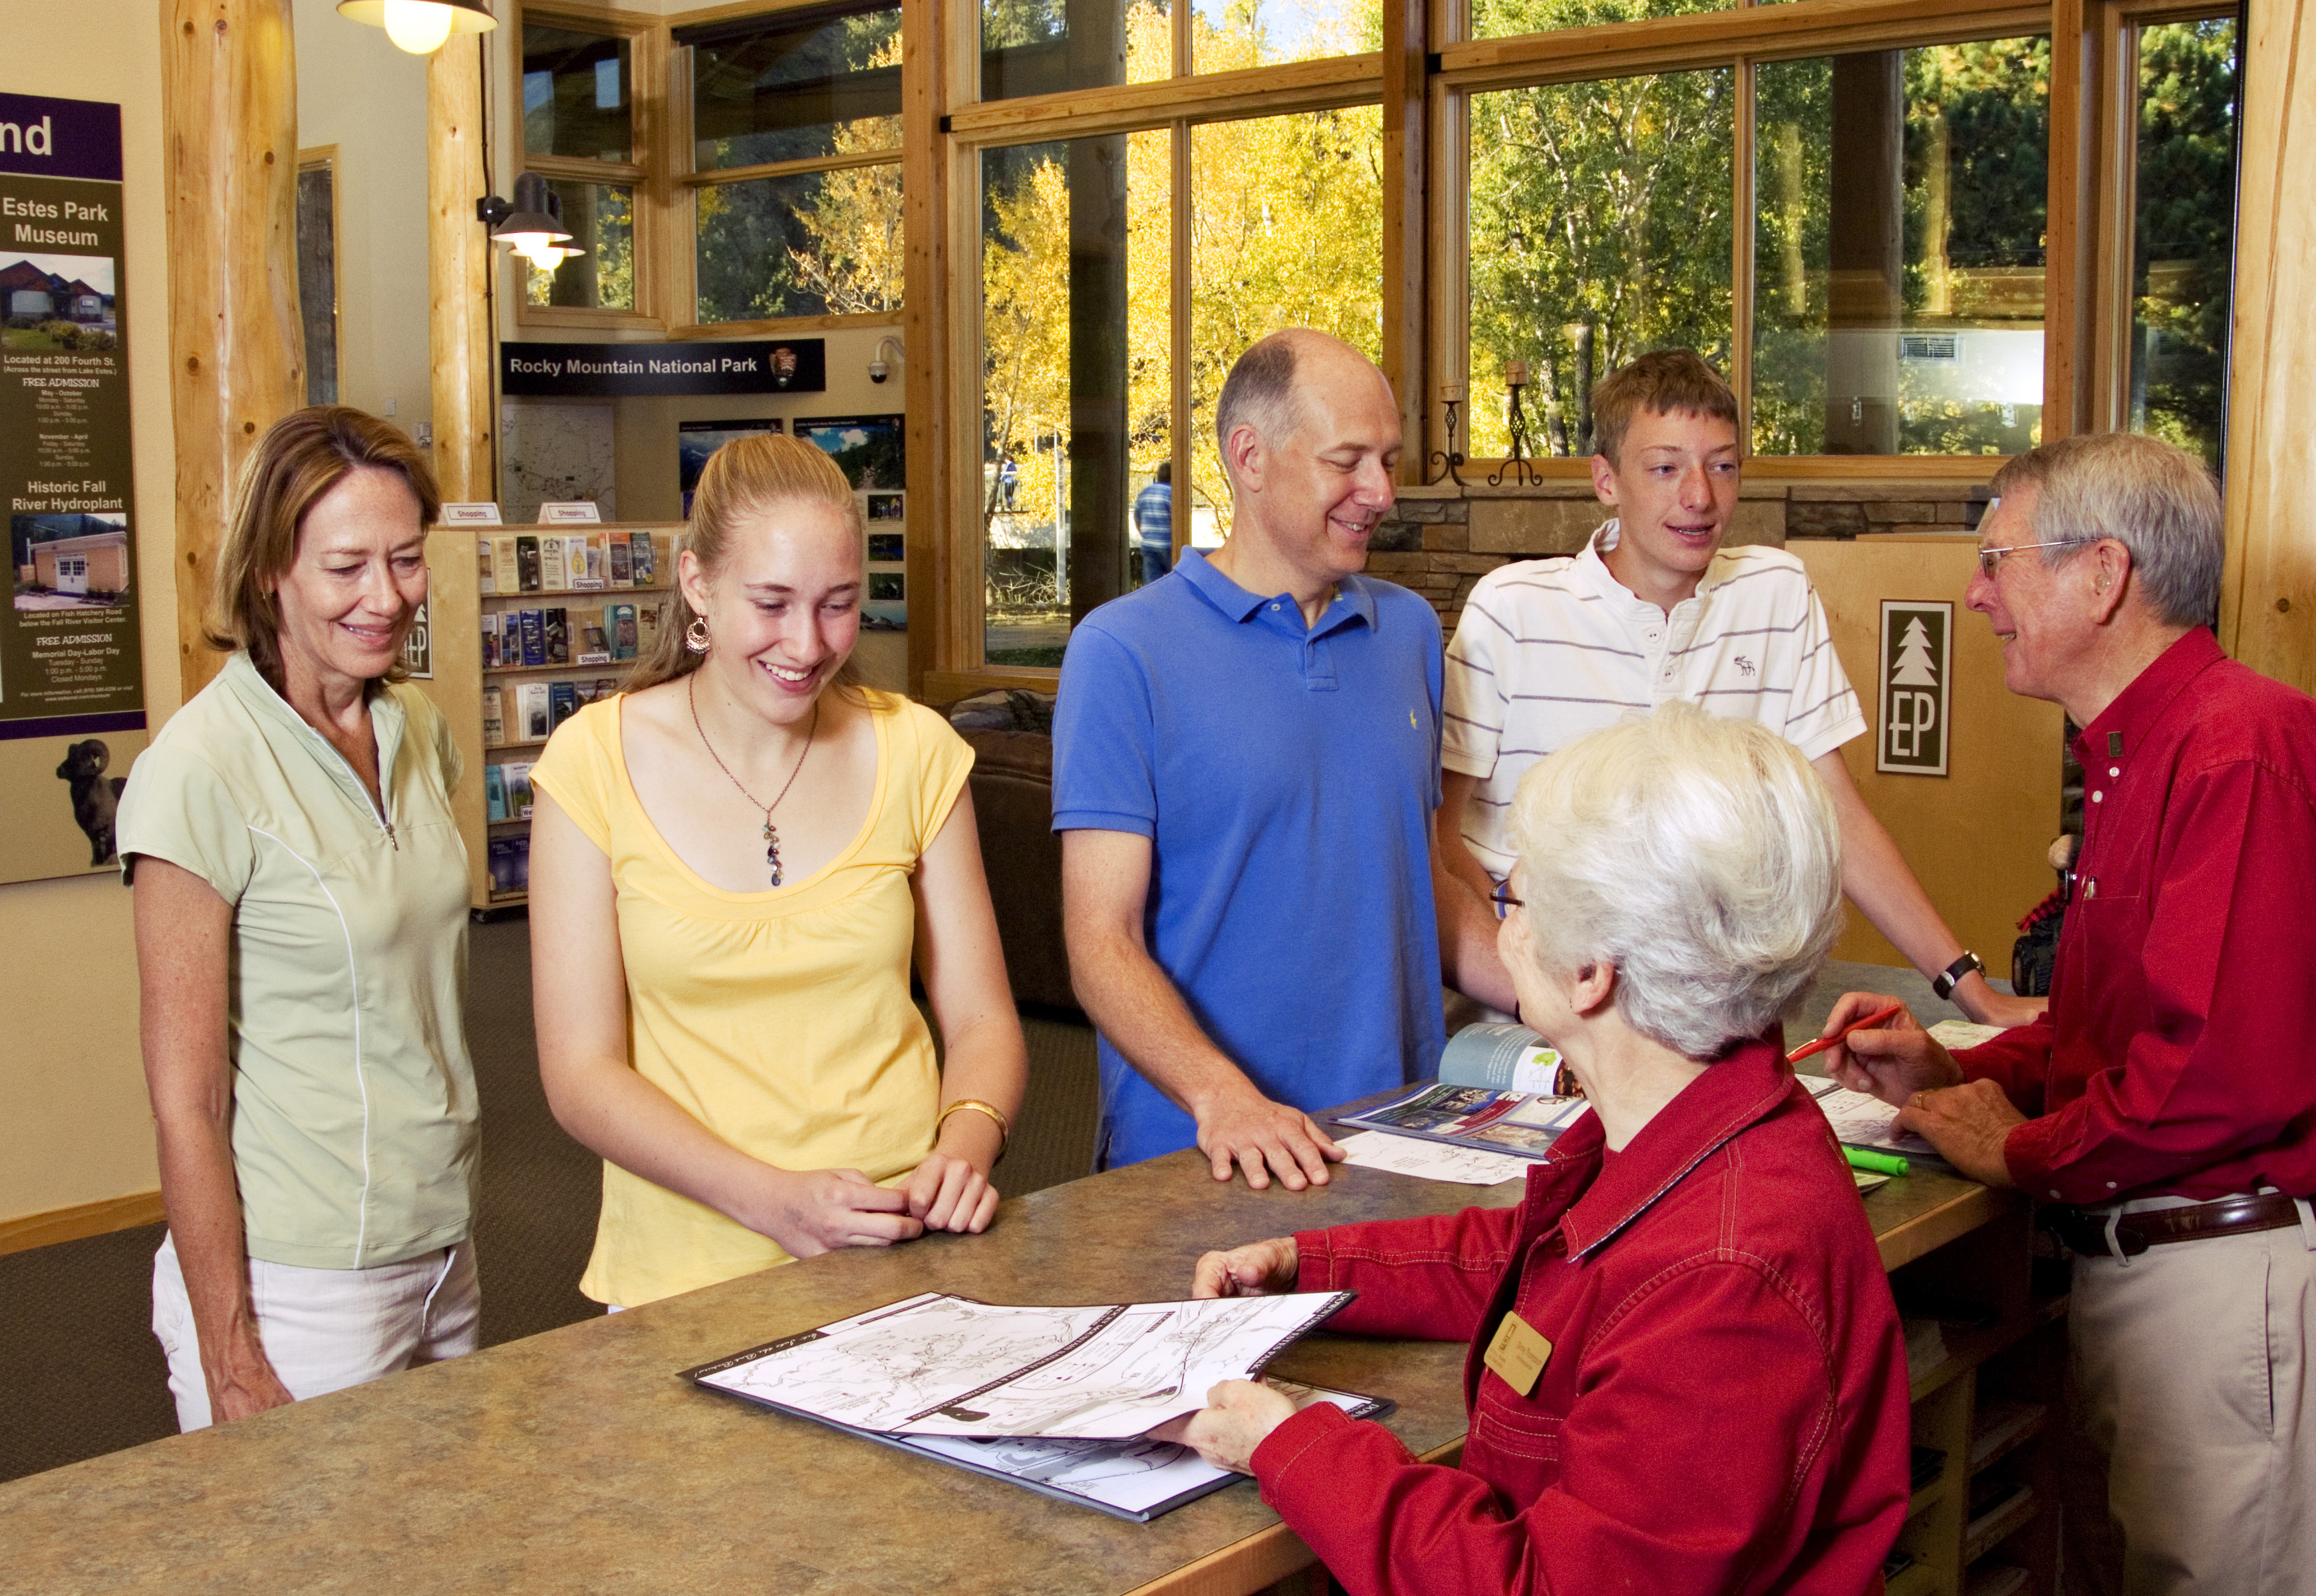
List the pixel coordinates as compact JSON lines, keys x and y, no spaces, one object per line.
{"x":2191,"y":1366}
{"x":325,"y":1329}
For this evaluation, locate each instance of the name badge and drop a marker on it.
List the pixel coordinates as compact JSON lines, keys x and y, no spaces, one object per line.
{"x":1517,"y":1354}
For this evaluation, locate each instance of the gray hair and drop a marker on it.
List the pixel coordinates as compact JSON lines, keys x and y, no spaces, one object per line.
{"x":2155,"y":499}
{"x":1259,"y":391}
{"x":1700,"y":857}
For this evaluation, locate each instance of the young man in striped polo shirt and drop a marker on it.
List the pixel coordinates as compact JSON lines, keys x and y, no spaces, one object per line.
{"x":1655,"y":609}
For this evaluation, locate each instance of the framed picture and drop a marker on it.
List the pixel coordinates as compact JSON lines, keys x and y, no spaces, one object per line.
{"x":868,"y":448}
{"x":886,"y":507}
{"x":887,"y":606}
{"x":885,"y":548}
{"x":696,"y":440}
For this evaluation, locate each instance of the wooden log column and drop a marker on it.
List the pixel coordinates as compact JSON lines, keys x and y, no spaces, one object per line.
{"x":466,"y":419}
{"x":458,"y":260}
{"x":237,"y":351}
{"x":2268,"y":603}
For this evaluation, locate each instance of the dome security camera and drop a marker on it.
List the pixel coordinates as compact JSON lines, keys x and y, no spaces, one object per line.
{"x":879,"y":368}
{"x":878,"y":371}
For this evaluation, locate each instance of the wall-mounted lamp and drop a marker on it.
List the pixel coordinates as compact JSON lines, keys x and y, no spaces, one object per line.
{"x":532,"y":224}
{"x":878,"y":367}
{"x":420,"y":26}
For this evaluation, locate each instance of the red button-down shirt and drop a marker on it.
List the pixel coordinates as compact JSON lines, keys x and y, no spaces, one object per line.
{"x":1725,"y":1408}
{"x":2178,"y":1057}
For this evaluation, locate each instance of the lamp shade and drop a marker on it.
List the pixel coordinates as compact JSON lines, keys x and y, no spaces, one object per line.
{"x":532,"y":224}
{"x":420,"y":26}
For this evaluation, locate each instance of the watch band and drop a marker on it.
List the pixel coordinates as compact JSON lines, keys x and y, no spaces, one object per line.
{"x":1944,"y":981}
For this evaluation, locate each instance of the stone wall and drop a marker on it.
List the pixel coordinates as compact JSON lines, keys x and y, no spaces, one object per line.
{"x":1439,"y":542}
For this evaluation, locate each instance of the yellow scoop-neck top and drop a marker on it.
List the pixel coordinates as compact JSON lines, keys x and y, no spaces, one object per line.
{"x":781,"y":1019}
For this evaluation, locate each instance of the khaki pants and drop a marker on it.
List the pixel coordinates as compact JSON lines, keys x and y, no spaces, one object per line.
{"x":2192,"y":1374}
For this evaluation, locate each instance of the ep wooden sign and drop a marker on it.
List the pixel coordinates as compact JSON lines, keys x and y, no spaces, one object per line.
{"x":1917,"y":656}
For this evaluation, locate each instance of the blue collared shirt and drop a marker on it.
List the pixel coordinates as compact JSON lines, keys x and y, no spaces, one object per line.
{"x":1286,"y":777}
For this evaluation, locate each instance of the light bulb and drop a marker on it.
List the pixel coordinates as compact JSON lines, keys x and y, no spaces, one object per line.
{"x":418,"y":26}
{"x":526,"y":244}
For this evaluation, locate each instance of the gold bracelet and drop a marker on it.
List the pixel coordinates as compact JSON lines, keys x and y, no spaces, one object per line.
{"x":1004,"y":1126}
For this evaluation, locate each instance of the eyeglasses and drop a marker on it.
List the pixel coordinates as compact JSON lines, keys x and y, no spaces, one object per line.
{"x":1504,"y":900}
{"x":1989,"y":559}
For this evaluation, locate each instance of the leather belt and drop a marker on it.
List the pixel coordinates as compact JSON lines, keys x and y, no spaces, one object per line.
{"x":2085,"y":1230}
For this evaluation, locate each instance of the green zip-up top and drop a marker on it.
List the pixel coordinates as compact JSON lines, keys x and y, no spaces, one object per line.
{"x":353,"y":1097}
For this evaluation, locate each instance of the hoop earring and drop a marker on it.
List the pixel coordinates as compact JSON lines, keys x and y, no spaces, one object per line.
{"x":695,"y":636}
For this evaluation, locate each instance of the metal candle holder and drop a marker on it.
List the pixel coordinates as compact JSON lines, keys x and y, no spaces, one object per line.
{"x":1515,"y":467}
{"x":1450,"y":456}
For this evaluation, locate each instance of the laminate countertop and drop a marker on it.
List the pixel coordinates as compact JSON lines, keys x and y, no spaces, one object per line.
{"x":577,"y":1461}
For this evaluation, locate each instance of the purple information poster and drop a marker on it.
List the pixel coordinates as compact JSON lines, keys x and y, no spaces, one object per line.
{"x":72,"y":692}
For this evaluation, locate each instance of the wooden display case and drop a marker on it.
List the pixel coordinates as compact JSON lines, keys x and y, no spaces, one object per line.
{"x":521,"y":744}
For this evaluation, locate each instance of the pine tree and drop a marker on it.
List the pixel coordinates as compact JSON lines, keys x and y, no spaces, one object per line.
{"x":1916,"y":668}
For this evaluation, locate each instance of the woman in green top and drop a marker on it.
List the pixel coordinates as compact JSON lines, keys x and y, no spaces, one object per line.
{"x":301,"y":914}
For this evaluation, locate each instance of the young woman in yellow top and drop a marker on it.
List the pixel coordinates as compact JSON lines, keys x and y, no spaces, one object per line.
{"x":733,"y":861}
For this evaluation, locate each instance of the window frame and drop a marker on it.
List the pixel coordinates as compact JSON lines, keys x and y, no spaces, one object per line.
{"x":1175,"y":105}
{"x":1740,"y":39}
{"x":1422,"y":78}
{"x":685,"y":183}
{"x":2114,"y":191}
{"x":645,"y":177}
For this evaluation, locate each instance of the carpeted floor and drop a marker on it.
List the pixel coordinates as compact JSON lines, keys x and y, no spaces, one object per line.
{"x":80,"y":1374}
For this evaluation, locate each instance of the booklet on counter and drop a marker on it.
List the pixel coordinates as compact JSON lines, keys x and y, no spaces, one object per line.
{"x":1500,"y":1090}
{"x":1138,"y":1479}
{"x":1058,"y":1399}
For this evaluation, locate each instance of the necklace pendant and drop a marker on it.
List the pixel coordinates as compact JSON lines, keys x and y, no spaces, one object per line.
{"x":772,"y":858}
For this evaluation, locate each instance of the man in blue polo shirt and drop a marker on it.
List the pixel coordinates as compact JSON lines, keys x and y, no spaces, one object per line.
{"x":1245,"y":764}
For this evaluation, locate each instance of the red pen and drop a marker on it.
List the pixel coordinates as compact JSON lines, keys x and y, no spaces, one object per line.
{"x":1810,"y":1050}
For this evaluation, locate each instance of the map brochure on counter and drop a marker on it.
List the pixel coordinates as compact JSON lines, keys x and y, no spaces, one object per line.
{"x":938,"y":1364}
{"x":1862,"y":1122}
{"x":1500,"y":1090}
{"x":1138,"y":1479}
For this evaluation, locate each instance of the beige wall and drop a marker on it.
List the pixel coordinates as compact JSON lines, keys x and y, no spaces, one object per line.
{"x":356,"y":91}
{"x":73,"y":1126}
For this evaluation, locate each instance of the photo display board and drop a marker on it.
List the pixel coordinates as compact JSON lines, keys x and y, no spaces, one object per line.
{"x":72,"y":693}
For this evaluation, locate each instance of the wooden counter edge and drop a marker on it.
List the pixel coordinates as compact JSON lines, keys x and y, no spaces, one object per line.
{"x":1926,"y":1232}
{"x":1261,"y":1560}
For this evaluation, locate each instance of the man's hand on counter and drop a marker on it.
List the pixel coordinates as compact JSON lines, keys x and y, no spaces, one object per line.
{"x":1968,"y":1124}
{"x":1238,"y":1125}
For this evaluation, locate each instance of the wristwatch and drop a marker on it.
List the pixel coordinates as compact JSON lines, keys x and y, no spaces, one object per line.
{"x":1944,"y":982}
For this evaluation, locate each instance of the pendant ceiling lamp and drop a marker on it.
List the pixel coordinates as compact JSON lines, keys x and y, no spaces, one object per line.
{"x":420,"y":26}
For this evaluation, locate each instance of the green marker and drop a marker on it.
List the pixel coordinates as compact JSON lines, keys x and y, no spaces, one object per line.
{"x":1877,"y":1162}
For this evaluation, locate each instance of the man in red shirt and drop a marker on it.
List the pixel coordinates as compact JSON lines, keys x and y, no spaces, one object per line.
{"x":2166,"y":1103}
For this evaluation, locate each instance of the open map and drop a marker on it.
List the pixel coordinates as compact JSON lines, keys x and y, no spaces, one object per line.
{"x":944,"y":1365}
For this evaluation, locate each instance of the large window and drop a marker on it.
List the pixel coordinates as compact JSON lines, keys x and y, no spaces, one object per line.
{"x":1096,"y":369}
{"x":2183,"y":232}
{"x":1048,"y":47}
{"x":581,"y":132}
{"x":795,"y":156}
{"x":1600,"y":230}
{"x":1848,"y":206}
{"x":1902,"y":205}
